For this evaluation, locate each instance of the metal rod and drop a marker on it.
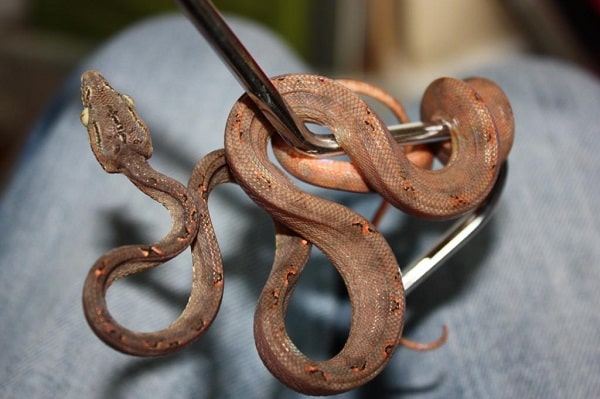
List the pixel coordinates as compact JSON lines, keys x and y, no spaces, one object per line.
{"x":256,"y":83}
{"x":406,"y":134}
{"x":419,"y":133}
{"x":458,"y":235}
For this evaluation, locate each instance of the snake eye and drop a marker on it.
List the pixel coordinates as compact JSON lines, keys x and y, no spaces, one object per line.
{"x":128,"y":99}
{"x":85,"y":116}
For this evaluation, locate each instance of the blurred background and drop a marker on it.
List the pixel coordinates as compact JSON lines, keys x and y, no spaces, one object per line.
{"x":398,"y":44}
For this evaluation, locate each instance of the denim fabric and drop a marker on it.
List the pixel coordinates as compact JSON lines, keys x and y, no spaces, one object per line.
{"x":519,"y":300}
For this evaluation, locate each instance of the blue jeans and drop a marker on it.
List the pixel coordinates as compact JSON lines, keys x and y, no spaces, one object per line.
{"x":519,"y":300}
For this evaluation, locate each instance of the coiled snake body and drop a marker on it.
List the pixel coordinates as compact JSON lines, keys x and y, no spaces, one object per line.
{"x":121,"y":143}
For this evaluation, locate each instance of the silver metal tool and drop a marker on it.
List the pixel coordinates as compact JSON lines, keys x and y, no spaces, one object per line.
{"x":261,"y":90}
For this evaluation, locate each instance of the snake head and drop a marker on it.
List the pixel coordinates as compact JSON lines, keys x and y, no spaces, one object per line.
{"x":115,"y":130}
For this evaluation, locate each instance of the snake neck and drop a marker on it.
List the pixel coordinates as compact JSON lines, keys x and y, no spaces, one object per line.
{"x":180,"y":202}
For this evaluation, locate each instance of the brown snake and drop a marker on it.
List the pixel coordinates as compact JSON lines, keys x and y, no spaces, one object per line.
{"x":121,"y":143}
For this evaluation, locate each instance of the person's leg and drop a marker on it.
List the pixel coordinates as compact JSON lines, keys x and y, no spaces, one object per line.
{"x":518,"y":299}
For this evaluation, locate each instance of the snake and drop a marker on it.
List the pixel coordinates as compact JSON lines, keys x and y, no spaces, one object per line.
{"x":121,"y":143}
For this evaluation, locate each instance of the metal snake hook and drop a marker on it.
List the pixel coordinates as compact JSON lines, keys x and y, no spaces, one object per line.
{"x":261,"y":90}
